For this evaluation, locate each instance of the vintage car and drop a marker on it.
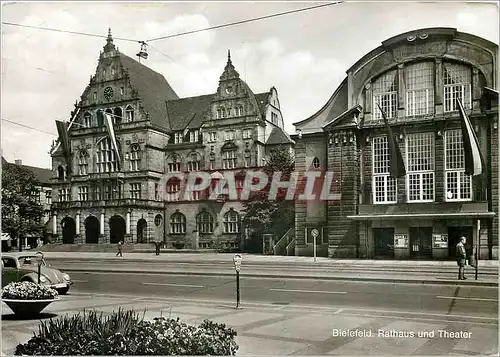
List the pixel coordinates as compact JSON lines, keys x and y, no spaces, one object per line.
{"x":23,"y":266}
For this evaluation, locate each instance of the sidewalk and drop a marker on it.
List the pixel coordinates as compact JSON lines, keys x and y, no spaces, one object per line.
{"x":270,"y":329}
{"x":254,"y":266}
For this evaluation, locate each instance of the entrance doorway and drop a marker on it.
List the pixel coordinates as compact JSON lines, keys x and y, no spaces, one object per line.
{"x":68,"y":230}
{"x":92,"y":230}
{"x":454,"y":234}
{"x":384,"y":243}
{"x":421,"y":242}
{"x":116,"y":229}
{"x":142,"y":231}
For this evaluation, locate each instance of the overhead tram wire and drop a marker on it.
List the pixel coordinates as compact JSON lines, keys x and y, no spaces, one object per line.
{"x":28,"y":127}
{"x":244,"y":21}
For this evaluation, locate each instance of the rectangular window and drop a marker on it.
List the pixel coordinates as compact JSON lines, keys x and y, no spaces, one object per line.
{"x":48,"y":197}
{"x":94,"y":95}
{"x":230,"y":135}
{"x":458,"y":185}
{"x":384,"y":187}
{"x":229,"y":160}
{"x":174,"y":166}
{"x":212,"y":136}
{"x":193,"y":166}
{"x":194,"y":136}
{"x":82,"y":165}
{"x":419,"y":88}
{"x":457,"y":85}
{"x":385,"y":94}
{"x":247,"y":133}
{"x":172,"y":189}
{"x":64,"y":195}
{"x":420,"y":167}
{"x":178,"y":138}
{"x":135,"y":190}
{"x":212,"y":164}
{"x":83,"y":193}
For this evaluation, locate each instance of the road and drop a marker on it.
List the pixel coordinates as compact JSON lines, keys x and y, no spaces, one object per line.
{"x":471,"y":303}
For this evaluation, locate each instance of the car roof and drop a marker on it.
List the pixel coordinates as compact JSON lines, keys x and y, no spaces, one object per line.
{"x":18,"y":254}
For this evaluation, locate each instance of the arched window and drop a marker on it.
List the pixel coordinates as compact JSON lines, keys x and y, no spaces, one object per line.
{"x":205,"y":223}
{"x":177,"y":223}
{"x":232,"y":222}
{"x":173,"y":164}
{"x":316,"y":163}
{"x":118,"y":118}
{"x":385,"y":94}
{"x":106,"y":157}
{"x":173,"y":188}
{"x":129,"y":113}
{"x":229,"y":159}
{"x":83,"y":163}
{"x":60,"y":172}
{"x":87,"y":120}
{"x":135,"y":158}
{"x":194,"y":162}
{"x":457,"y":85}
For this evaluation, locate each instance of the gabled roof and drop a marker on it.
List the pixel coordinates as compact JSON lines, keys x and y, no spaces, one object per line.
{"x":357,"y":109}
{"x":153,"y":89}
{"x":262,"y":100}
{"x":42,"y":175}
{"x":277,"y":137}
{"x":188,"y":112}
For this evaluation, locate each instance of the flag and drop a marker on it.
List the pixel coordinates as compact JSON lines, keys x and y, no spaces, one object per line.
{"x":473,"y":159}
{"x":108,"y":121}
{"x":62,"y":129}
{"x":396,"y":163}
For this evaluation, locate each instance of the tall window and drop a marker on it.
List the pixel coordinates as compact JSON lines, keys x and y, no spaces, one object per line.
{"x":174,"y":165}
{"x":212,"y":136}
{"x":48,"y":197}
{"x":205,"y":223}
{"x":83,"y":164}
{"x":419,"y":88}
{"x":457,"y":85}
{"x":134,"y":158}
{"x":385,"y":93}
{"x":83,"y":193}
{"x":178,"y":138}
{"x":129,"y":113}
{"x":194,"y":162}
{"x":458,"y":185}
{"x":135,"y":190}
{"x":64,"y":195}
{"x":106,"y":157}
{"x":87,"y":120}
{"x":420,"y":167}
{"x":238,"y":111}
{"x":177,"y":223}
{"x":173,"y":187}
{"x":211,"y":164}
{"x":232,"y":222}
{"x":194,"y":136}
{"x":384,"y":187}
{"x":316,"y":163}
{"x":229,"y":159}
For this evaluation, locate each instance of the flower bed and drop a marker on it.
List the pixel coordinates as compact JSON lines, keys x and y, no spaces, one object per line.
{"x":27,"y":290}
{"x":126,"y":333}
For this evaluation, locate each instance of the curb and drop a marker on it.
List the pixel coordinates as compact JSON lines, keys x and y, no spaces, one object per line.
{"x":303,"y":277}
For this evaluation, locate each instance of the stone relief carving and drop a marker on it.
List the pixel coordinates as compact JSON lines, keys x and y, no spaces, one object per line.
{"x":419,"y":49}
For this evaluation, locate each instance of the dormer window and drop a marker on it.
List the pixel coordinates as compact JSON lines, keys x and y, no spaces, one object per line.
{"x":178,"y":138}
{"x":194,"y":136}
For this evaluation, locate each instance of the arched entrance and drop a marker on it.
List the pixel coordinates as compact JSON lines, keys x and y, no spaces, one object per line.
{"x":91,"y":230}
{"x":68,"y":230}
{"x":142,"y":231}
{"x":116,"y":229}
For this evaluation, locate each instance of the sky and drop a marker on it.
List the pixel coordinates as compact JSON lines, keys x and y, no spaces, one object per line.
{"x":304,"y":55}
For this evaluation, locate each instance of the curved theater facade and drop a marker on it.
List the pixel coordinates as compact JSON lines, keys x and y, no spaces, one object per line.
{"x":418,"y":80}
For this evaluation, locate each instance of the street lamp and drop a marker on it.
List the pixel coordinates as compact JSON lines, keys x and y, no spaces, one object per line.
{"x":39,"y":259}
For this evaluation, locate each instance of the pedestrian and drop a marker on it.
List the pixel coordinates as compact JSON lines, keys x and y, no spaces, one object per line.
{"x":120,"y":248}
{"x":461,"y":258}
{"x":157,"y":246}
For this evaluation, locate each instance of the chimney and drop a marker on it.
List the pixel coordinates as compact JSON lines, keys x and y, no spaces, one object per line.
{"x":19,"y":162}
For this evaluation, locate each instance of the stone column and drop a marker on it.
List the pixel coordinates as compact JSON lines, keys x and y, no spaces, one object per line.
{"x":101,"y":222}
{"x":77,"y":224}
{"x":439,"y":86}
{"x":127,"y":226}
{"x":401,"y":91}
{"x":54,"y":224}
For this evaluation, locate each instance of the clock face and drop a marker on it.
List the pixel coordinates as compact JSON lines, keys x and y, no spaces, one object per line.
{"x":108,"y":93}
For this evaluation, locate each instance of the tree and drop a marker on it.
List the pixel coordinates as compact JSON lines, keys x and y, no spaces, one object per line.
{"x":262,"y":215}
{"x":21,"y":210}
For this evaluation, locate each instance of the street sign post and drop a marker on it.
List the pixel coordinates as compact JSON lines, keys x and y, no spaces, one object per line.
{"x":315,"y":234}
{"x":237,"y":258}
{"x":477,"y":246}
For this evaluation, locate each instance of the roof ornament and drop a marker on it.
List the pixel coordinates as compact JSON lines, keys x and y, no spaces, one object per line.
{"x":228,"y":56}
{"x":143,"y":53}
{"x":109,"y":42}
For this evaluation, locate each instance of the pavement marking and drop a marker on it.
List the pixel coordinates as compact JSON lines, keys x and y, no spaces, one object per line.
{"x":182,"y":285}
{"x":79,"y":281}
{"x":465,"y":298}
{"x":309,"y":291}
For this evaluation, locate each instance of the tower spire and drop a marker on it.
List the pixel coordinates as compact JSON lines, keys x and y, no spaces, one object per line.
{"x":228,"y":56}
{"x":109,"y":42}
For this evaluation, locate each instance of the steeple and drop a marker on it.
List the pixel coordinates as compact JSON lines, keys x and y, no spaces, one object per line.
{"x":229,"y":71}
{"x":109,"y":42}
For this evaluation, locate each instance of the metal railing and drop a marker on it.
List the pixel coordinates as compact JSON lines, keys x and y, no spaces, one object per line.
{"x":280,"y":248}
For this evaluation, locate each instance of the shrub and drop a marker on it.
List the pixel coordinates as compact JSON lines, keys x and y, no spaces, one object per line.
{"x":126,"y":333}
{"x":27,"y":290}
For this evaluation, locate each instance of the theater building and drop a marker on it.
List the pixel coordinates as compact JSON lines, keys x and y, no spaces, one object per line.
{"x":416,"y":78}
{"x":112,"y":194}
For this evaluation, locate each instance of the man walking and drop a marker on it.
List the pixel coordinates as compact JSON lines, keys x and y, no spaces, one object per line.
{"x":120,"y":248}
{"x":461,"y":256}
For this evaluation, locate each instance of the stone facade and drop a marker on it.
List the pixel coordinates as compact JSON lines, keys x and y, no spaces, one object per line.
{"x":415,"y":77}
